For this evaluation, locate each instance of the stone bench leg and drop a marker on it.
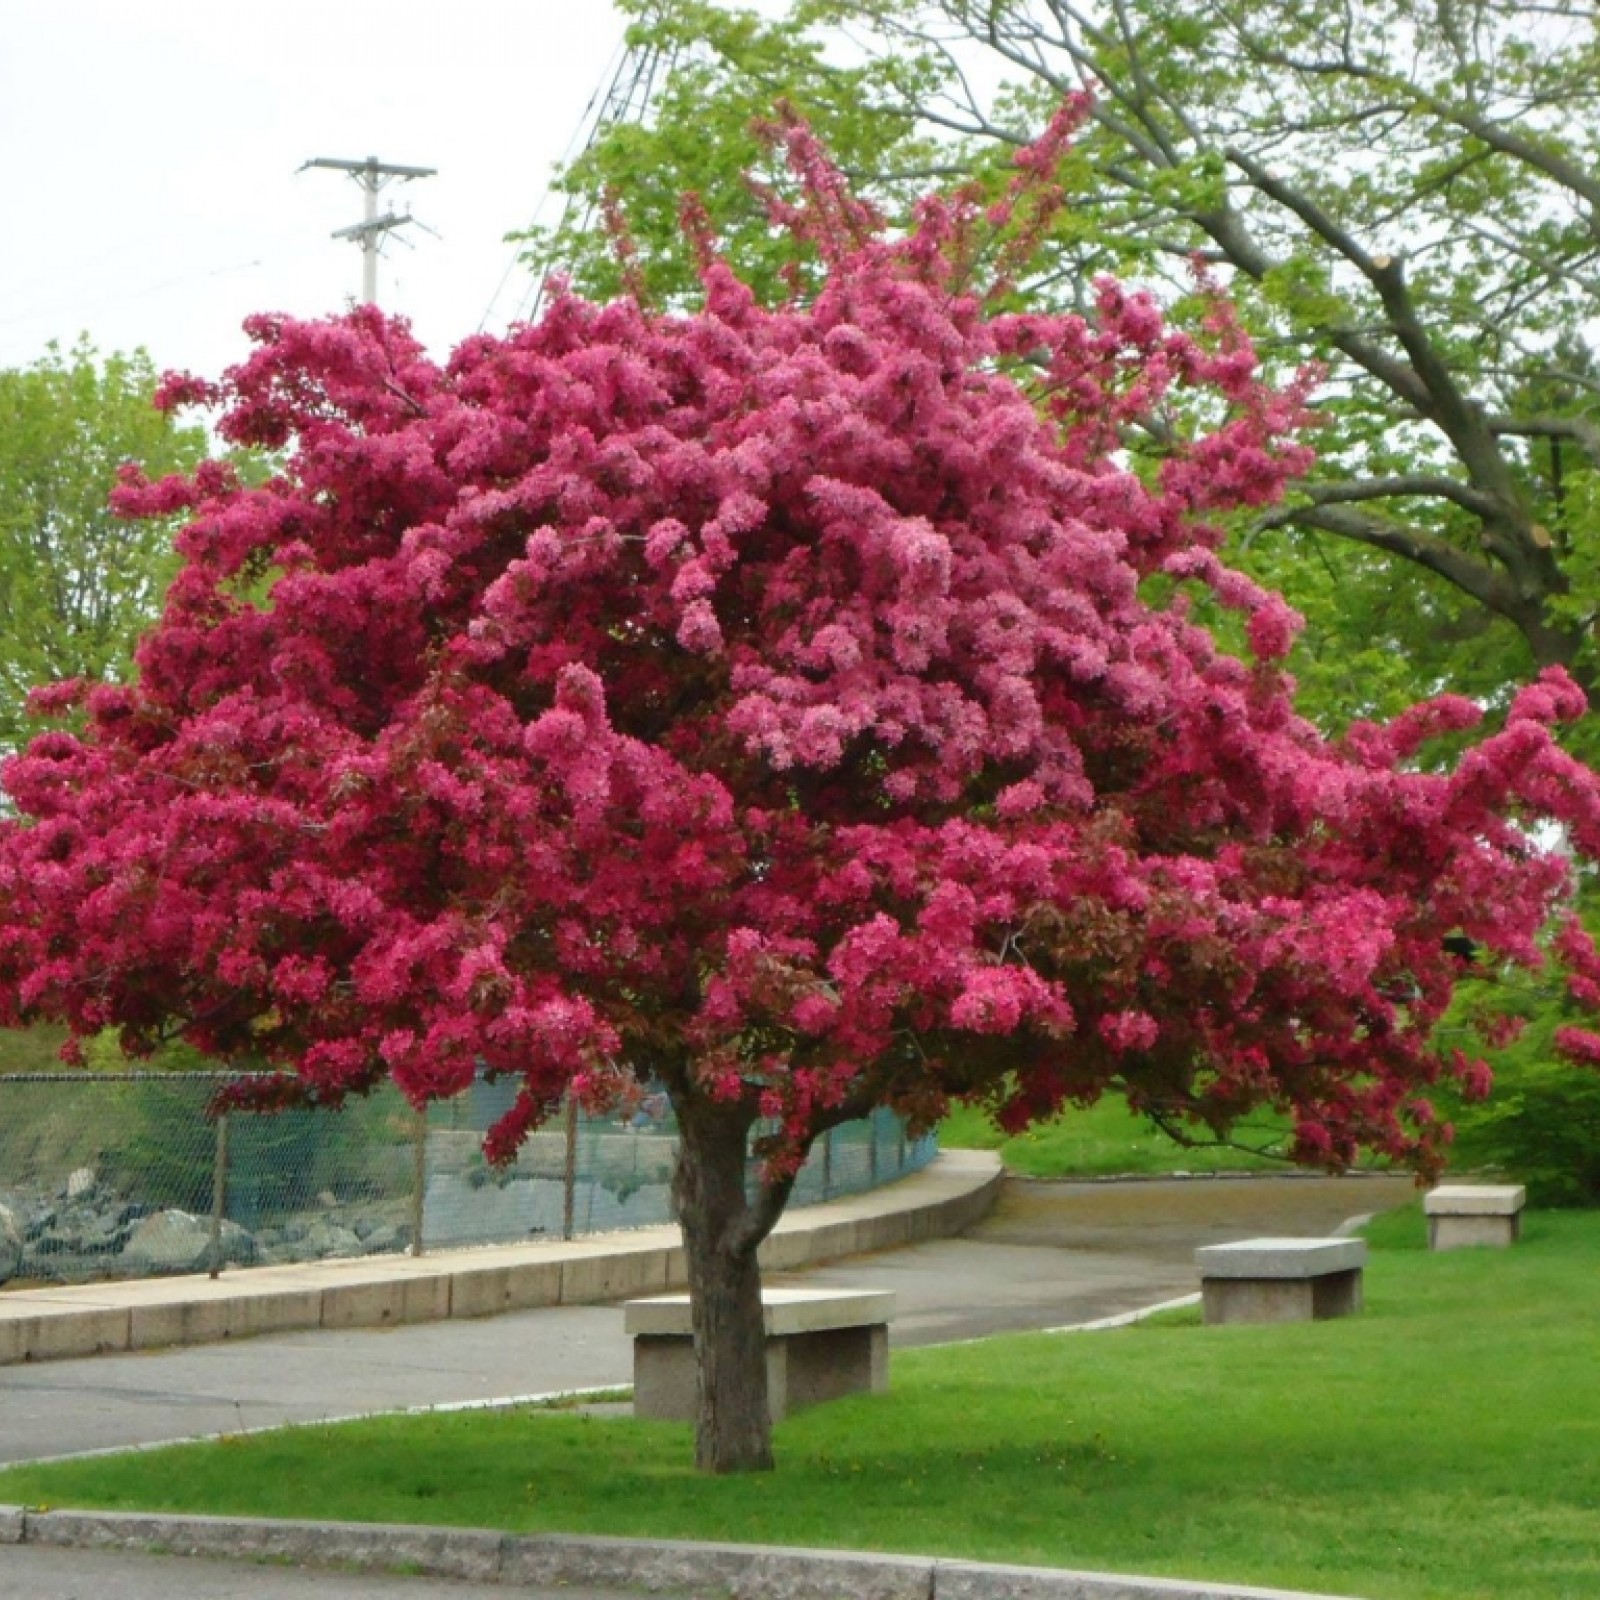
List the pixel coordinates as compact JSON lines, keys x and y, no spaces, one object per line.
{"x":1449,"y":1232}
{"x":664,"y":1378}
{"x":1332,"y":1294}
{"x":826,"y":1365}
{"x":803,"y":1369}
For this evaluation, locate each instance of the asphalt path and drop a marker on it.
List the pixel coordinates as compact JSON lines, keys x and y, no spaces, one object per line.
{"x":1048,"y":1255}
{"x":1056,"y":1254}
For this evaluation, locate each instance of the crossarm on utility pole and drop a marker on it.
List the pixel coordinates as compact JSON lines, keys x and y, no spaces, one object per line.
{"x":372,"y":174}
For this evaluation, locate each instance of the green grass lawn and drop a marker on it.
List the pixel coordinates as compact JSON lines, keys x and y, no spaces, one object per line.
{"x":1105,"y":1140}
{"x":1445,"y":1445}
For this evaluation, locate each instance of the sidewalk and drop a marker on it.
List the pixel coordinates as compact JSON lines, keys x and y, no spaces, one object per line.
{"x":950,"y":1194}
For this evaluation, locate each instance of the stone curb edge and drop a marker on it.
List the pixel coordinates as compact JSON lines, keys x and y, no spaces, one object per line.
{"x":709,"y":1571}
{"x":1298,"y":1173}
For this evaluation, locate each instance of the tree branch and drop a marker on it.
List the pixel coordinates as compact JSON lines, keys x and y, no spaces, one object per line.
{"x":761,"y":1216}
{"x":1583,"y":431}
{"x":1470,"y":119}
{"x":1433,"y":486}
{"x":1481,"y":580}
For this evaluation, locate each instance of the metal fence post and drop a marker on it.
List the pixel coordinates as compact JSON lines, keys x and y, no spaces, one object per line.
{"x":219,"y":1193}
{"x":569,"y":1177}
{"x":419,"y":1177}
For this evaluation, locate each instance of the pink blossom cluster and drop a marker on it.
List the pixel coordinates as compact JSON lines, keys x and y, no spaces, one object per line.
{"x":769,"y":699}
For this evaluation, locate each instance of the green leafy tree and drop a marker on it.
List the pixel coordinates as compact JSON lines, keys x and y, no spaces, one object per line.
{"x":77,"y":583}
{"x":1404,"y":190}
{"x":725,"y":71}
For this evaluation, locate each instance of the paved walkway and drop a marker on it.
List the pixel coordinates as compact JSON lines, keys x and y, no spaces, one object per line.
{"x":1051,"y":1255}
{"x":1045,"y":1255}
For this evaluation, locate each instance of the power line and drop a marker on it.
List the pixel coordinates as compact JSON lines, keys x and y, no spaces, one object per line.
{"x":626,"y":94}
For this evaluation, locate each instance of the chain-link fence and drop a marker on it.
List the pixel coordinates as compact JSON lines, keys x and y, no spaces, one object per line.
{"x":126,"y":1176}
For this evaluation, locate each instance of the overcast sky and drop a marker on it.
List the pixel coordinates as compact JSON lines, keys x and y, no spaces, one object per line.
{"x":150,"y":147}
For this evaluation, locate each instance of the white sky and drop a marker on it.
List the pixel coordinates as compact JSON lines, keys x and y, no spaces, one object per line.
{"x":148,"y":192}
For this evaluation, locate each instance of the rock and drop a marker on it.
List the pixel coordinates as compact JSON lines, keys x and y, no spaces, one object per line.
{"x":11,"y":1243}
{"x":326,"y":1238}
{"x":82,"y":1183}
{"x":83,"y":1231}
{"x":80,"y":1230}
{"x":176,"y":1241}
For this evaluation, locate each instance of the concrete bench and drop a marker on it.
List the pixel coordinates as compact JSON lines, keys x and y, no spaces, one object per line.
{"x":1462,"y":1214}
{"x":1281,"y":1280}
{"x":821,"y":1344}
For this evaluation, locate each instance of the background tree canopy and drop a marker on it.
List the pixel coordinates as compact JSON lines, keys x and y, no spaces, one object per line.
{"x":77,"y":583}
{"x":1406,"y":191}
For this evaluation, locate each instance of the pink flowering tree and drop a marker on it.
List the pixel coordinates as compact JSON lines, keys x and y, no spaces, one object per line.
{"x":800,"y":706}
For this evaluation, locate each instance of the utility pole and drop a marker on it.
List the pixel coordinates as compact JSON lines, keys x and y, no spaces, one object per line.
{"x":372,"y":174}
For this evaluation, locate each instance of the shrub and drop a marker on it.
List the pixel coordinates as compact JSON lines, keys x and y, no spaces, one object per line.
{"x":1540,"y":1125}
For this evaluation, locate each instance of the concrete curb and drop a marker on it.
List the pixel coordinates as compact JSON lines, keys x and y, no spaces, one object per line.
{"x":1306,"y":1174}
{"x":1126,"y":1319}
{"x":709,"y":1571}
{"x":950,"y":1194}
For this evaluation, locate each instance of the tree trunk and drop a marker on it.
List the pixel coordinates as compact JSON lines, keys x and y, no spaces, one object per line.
{"x":721,"y":1233}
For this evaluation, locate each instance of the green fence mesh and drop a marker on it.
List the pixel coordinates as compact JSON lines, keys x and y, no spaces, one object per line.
{"x":127,"y":1176}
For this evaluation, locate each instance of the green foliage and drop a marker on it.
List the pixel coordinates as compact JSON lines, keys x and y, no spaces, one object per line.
{"x":280,"y":1163}
{"x":76,"y":583}
{"x":35,"y":1049}
{"x":1542,"y":1127}
{"x":1401,"y":192}
{"x":1541,"y":1124}
{"x":1379,"y":639}
{"x":162,"y":1151}
{"x":153,"y":1140}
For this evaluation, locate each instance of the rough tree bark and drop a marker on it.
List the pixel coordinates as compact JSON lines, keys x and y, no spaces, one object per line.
{"x":722,"y":1230}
